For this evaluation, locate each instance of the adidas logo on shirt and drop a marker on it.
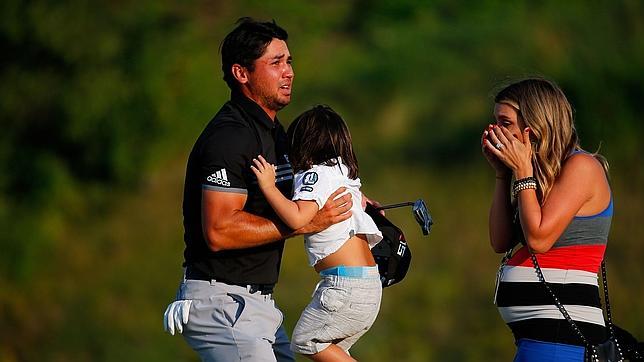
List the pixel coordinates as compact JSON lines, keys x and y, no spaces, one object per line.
{"x":220,"y":178}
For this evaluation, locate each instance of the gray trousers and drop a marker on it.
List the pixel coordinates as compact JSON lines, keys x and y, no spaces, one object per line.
{"x":227,"y":323}
{"x":342,"y":310}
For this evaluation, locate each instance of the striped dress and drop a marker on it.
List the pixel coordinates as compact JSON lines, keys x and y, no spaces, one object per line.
{"x":570,"y":267}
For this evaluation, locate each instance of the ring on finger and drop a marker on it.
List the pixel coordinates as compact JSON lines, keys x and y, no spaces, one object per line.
{"x":499,"y":146}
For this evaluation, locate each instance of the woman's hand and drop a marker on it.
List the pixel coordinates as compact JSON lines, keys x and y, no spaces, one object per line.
{"x":514,"y":153}
{"x":499,"y":167}
{"x":264,"y":171}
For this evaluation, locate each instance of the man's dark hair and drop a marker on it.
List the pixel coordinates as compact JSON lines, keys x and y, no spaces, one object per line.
{"x":320,"y":136}
{"x":245,"y":44}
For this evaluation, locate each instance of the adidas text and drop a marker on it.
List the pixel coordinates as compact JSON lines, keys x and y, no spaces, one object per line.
{"x":220,"y":178}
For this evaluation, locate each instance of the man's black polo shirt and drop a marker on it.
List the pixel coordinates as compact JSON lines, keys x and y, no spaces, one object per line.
{"x":220,"y":161}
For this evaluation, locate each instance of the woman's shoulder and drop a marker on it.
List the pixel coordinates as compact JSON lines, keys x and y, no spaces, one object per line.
{"x":584,"y":171}
{"x":583,"y":164}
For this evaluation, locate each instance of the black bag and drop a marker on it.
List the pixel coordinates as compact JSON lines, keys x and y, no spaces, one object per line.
{"x":620,"y":345}
{"x":604,"y":352}
{"x":631,"y":348}
{"x":392,"y":253}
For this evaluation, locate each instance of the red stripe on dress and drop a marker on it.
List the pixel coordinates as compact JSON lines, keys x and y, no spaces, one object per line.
{"x":578,"y":257}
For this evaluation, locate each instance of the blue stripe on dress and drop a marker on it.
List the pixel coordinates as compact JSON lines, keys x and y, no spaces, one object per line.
{"x":608,"y":211}
{"x":529,"y":350}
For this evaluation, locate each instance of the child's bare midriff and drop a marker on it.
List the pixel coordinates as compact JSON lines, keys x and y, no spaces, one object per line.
{"x":354,"y":252}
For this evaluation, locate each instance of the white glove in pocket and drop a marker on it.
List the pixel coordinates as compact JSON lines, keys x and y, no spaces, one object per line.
{"x":176,"y":316}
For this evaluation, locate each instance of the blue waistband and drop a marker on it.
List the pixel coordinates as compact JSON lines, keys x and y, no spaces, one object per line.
{"x":352,"y":271}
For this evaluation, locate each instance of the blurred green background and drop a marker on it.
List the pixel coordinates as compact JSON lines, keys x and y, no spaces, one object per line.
{"x":101,"y":102}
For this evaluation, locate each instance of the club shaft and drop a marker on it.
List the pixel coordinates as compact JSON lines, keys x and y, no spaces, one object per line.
{"x":393,"y":206}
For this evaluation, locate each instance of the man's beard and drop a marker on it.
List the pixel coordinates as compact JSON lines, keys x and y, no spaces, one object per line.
{"x":275,"y":104}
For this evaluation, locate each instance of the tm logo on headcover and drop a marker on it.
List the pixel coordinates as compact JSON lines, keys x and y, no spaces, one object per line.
{"x":220,"y":177}
{"x":310,"y":178}
{"x":401,"y":248}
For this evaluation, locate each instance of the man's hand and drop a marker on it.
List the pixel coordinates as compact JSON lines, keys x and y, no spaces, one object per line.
{"x":333,"y":212}
{"x":176,"y":315}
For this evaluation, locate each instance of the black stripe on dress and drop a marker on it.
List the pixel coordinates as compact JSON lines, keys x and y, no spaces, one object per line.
{"x":557,"y":330}
{"x":522,"y":294}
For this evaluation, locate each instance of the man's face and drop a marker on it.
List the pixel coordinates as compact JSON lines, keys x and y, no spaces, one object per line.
{"x":270,"y":82}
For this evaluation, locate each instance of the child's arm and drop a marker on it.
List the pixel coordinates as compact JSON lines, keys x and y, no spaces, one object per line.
{"x":294,"y":214}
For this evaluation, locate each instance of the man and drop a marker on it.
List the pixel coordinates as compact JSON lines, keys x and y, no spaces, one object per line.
{"x":234,"y":240}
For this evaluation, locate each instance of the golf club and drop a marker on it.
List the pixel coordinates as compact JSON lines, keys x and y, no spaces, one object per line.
{"x":420,"y":211}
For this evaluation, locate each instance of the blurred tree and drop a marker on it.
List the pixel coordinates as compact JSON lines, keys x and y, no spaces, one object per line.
{"x":80,"y":116}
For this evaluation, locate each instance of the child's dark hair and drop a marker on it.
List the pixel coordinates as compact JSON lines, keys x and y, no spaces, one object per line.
{"x":320,"y":136}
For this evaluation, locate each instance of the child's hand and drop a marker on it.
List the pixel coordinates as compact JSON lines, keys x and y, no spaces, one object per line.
{"x":264,"y":171}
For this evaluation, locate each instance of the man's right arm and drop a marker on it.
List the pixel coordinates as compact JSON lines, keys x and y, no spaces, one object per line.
{"x":333,"y":212}
{"x":226,"y":226}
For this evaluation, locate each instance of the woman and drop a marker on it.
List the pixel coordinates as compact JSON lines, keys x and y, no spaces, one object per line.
{"x":560,"y":209}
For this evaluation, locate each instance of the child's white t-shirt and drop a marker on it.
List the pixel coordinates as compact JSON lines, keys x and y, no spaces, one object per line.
{"x":317,"y":184}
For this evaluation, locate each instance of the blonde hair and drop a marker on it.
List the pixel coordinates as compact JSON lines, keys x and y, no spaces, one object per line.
{"x":543,"y":107}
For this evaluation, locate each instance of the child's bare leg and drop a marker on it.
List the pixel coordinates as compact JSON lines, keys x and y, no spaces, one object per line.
{"x":331,"y":354}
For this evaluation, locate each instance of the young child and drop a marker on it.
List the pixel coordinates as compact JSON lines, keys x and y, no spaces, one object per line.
{"x":347,"y":299}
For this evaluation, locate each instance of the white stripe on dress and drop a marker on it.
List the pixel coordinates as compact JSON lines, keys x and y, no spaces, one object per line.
{"x":523,"y":274}
{"x":579,"y":313}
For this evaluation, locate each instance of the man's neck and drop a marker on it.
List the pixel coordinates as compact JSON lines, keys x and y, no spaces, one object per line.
{"x":269,"y":112}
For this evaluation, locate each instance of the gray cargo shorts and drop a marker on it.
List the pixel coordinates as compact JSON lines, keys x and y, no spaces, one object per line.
{"x":342,"y":310}
{"x":228,"y":323}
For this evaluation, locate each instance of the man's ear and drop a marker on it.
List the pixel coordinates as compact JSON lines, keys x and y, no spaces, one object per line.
{"x":240,"y":73}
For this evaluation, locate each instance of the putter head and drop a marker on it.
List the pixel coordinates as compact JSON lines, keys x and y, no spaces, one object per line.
{"x":422,"y":216}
